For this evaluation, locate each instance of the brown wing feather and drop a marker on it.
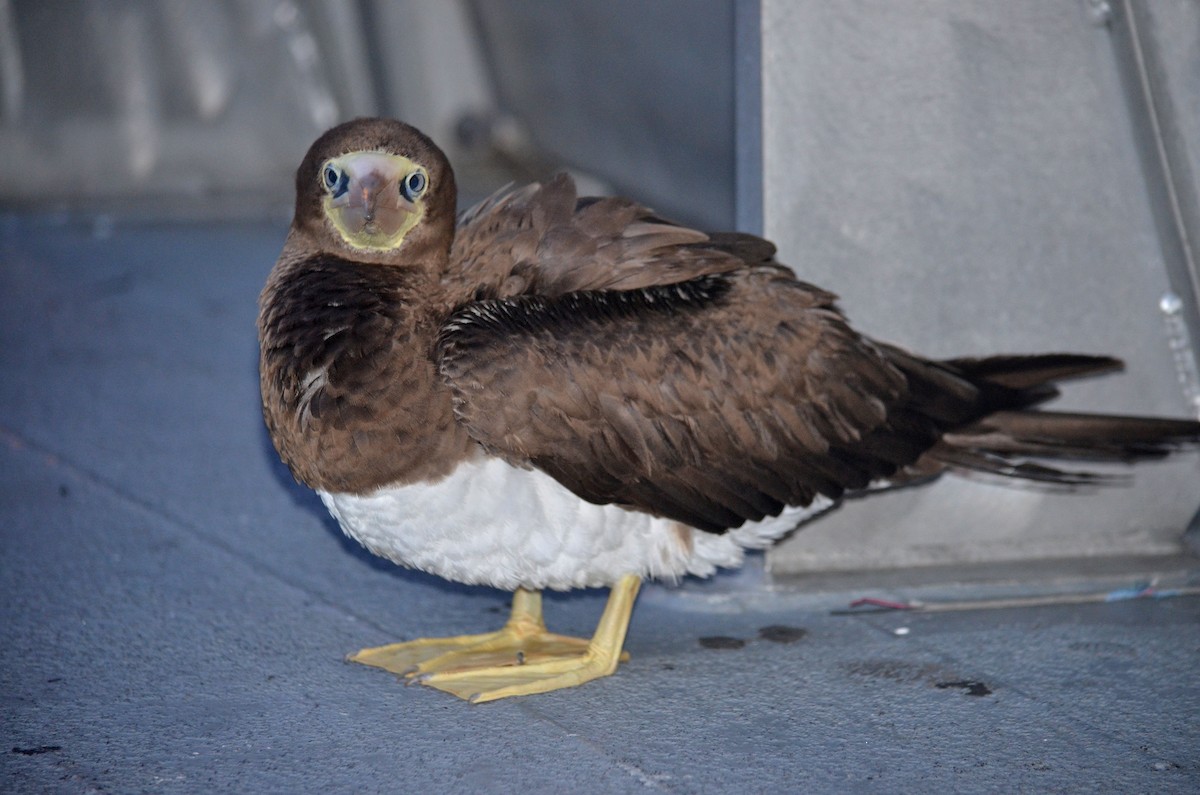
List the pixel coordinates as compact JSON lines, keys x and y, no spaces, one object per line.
{"x":543,"y":239}
{"x":713,"y":401}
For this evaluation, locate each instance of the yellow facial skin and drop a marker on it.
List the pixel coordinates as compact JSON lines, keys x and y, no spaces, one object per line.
{"x":373,"y":199}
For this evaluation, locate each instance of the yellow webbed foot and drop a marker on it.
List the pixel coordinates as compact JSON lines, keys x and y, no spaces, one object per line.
{"x":521,"y":658}
{"x":514,"y":644}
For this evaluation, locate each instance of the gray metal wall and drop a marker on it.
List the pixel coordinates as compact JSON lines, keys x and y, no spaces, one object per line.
{"x":176,"y":100}
{"x":640,"y":94}
{"x":207,"y":105}
{"x":187,"y":107}
{"x":966,"y":175}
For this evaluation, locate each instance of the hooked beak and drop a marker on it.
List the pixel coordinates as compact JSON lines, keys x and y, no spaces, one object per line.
{"x":373,"y":204}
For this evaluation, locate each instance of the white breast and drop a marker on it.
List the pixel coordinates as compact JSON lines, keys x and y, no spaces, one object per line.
{"x":494,"y":524}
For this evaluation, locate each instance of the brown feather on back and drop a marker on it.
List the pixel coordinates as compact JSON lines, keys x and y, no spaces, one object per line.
{"x":542,"y":239}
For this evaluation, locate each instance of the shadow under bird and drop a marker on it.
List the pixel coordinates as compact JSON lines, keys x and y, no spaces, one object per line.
{"x":559,"y":392}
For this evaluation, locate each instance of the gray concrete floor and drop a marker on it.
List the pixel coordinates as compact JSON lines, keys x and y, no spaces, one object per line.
{"x":176,"y":610}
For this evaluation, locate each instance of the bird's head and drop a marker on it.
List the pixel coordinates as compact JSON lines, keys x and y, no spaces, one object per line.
{"x":378,"y":190}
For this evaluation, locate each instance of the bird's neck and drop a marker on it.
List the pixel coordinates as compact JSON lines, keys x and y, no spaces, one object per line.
{"x":351,"y":393}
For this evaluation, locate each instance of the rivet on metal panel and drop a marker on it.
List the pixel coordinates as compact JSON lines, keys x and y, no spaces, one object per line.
{"x":1179,"y":341}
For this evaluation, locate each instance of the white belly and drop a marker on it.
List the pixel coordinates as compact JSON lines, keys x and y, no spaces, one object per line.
{"x":493,"y":524}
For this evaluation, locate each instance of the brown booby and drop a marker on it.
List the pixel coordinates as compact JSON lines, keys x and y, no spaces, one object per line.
{"x":559,"y":392}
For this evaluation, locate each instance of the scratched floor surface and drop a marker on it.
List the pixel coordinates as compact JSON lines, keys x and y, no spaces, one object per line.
{"x":175,"y":610}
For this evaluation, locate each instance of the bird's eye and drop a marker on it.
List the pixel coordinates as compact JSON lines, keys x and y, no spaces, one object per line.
{"x":331,"y":177}
{"x":335,"y":180}
{"x":413,"y":185}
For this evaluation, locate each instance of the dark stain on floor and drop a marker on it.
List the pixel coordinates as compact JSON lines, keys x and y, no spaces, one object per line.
{"x":781,"y":633}
{"x":41,"y":749}
{"x":969,"y":687}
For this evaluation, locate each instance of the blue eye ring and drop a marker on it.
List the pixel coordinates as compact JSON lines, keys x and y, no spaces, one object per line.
{"x":330,"y":177}
{"x":413,"y":185}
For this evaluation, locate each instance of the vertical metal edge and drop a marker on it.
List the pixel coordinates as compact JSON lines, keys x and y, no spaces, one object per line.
{"x":372,"y":31}
{"x":748,"y":179}
{"x":1169,"y":185}
{"x":1191,"y":536}
{"x":747,"y":115}
{"x":339,"y":26}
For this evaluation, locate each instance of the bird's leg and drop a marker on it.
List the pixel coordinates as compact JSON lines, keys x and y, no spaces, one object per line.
{"x":523,"y":639}
{"x":552,"y":671}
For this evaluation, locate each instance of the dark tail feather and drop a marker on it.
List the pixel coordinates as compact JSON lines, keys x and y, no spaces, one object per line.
{"x":1000,"y":443}
{"x":1026,"y":372}
{"x":1098,"y":437}
{"x":988,"y":463}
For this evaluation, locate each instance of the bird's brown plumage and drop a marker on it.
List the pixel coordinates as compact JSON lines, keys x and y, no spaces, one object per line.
{"x":636,"y":361}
